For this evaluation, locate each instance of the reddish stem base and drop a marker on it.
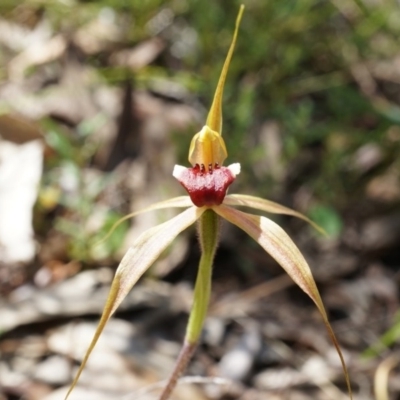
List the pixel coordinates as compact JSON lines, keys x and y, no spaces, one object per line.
{"x":184,"y":357}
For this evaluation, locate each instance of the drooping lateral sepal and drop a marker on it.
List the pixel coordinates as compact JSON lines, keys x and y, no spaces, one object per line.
{"x":267,"y":206}
{"x":139,"y":257}
{"x":276,"y":242}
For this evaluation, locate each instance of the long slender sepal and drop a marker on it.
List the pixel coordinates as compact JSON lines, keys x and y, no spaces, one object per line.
{"x":140,"y":256}
{"x":207,"y":146}
{"x":214,"y":119}
{"x":258,"y":203}
{"x":181,"y":201}
{"x":208,"y":229}
{"x":275,"y":241}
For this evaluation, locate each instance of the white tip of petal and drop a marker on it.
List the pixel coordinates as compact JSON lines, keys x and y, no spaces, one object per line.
{"x":178,"y":171}
{"x":234,"y":168}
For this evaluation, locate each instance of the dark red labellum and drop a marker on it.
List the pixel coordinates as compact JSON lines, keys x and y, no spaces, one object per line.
{"x":206,"y":187}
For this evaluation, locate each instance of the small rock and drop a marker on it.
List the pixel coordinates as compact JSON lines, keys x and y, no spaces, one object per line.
{"x":237,"y":363}
{"x":278,"y":379}
{"x":80,"y":393}
{"x":73,"y":339}
{"x":214,"y":331}
{"x":55,"y":370}
{"x":317,"y":369}
{"x":380,"y":233}
{"x":9,"y":377}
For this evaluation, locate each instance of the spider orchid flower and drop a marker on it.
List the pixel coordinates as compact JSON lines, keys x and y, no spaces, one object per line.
{"x":207,"y":182}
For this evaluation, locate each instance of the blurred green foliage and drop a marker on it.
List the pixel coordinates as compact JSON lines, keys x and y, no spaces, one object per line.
{"x":328,"y":219}
{"x":305,"y":65}
{"x":390,"y":337}
{"x":66,"y":186}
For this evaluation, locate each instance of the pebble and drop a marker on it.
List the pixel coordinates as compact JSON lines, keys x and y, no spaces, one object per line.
{"x":55,"y":370}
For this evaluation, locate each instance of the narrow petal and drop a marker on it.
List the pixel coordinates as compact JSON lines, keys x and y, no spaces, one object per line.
{"x":267,"y":206}
{"x":144,"y":251}
{"x":181,"y":201}
{"x":274,"y":240}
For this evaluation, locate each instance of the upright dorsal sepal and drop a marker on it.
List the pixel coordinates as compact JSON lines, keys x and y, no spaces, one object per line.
{"x":214,"y":119}
{"x":207,"y":146}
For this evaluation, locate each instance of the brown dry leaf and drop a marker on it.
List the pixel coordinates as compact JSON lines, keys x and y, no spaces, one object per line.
{"x":140,"y":56}
{"x":19,"y":38}
{"x":99,"y":34}
{"x":18,"y":129}
{"x":386,"y":187}
{"x":38,"y":54}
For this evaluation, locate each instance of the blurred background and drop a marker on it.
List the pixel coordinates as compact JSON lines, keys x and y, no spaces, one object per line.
{"x":100,"y":99}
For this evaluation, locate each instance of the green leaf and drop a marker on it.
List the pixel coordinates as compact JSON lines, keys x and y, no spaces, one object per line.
{"x":328,"y":219}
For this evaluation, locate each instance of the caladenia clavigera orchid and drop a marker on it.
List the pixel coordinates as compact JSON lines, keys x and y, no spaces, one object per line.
{"x":207,"y":182}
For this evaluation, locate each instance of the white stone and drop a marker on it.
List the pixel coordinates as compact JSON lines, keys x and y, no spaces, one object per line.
{"x":54,"y":370}
{"x":20,"y":172}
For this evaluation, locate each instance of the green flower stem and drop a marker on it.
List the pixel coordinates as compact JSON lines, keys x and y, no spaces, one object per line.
{"x":208,"y":228}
